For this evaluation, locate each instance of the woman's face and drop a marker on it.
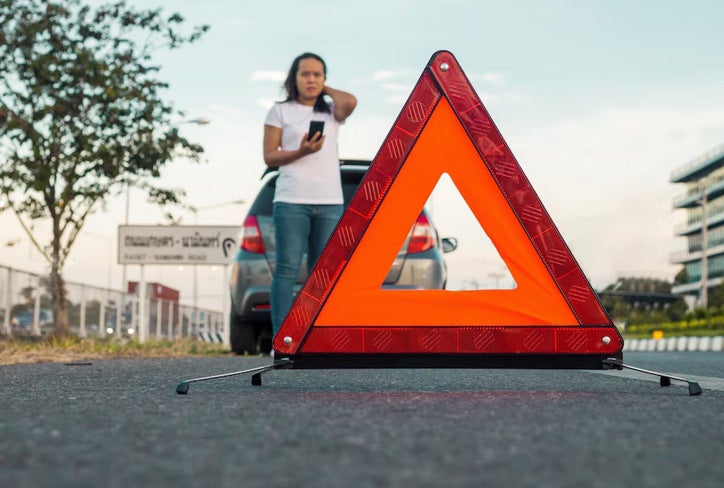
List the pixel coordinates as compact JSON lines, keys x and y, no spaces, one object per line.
{"x":310,"y":80}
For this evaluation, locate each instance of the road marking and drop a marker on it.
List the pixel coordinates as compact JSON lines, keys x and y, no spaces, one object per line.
{"x":706,"y":382}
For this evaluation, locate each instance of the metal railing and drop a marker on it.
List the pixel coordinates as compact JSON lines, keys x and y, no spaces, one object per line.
{"x":693,"y":195}
{"x":26,"y":310}
{"x":702,"y":160}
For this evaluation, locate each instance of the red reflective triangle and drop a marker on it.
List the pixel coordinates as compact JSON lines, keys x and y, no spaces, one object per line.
{"x":342,"y":309}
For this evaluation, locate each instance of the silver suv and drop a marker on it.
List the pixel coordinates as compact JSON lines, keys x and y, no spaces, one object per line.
{"x":419,"y":263}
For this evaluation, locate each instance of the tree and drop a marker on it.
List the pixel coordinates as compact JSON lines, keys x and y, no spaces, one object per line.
{"x":82,"y":115}
{"x":639,"y":284}
{"x":716,"y":297}
{"x":682,"y":277}
{"x":637,"y":300}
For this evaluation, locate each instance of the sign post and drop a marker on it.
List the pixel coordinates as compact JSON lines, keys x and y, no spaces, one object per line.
{"x":190,"y":245}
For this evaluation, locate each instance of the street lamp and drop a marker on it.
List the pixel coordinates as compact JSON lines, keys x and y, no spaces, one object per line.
{"x":195,"y":209}
{"x":197,"y":121}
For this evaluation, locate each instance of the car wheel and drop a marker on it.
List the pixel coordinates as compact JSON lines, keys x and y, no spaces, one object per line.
{"x":265,"y":342}
{"x":242,"y":336}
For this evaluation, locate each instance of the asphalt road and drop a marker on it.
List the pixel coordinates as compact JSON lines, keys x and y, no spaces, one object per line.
{"x":119,"y":423}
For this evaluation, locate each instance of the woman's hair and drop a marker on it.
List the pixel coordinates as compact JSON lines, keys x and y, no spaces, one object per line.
{"x":290,"y":84}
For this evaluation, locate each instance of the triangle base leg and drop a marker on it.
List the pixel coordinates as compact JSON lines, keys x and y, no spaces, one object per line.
{"x":664,"y":379}
{"x":183,"y":387}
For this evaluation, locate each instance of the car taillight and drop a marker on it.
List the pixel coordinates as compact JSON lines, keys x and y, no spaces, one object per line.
{"x":251,"y":236}
{"x":422,"y":237}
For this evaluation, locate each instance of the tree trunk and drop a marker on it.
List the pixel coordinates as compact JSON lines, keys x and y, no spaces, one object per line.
{"x":60,"y":311}
{"x":58,"y":292}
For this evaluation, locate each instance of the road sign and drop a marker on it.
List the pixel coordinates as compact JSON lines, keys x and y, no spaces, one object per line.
{"x":177,"y":244}
{"x":342,"y":315}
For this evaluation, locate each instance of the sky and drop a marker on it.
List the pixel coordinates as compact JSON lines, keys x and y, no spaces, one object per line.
{"x":599,"y":102}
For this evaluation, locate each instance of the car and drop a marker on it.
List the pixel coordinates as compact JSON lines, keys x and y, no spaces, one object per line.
{"x":23,"y":321}
{"x":419,"y":263}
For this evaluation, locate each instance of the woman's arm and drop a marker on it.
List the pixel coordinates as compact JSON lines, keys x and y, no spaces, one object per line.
{"x":274,"y":156}
{"x":344,"y":103}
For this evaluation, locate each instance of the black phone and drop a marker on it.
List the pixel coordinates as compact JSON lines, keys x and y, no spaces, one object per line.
{"x":314,"y":127}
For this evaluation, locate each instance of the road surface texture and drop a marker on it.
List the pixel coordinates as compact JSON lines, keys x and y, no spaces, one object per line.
{"x":120,"y":423}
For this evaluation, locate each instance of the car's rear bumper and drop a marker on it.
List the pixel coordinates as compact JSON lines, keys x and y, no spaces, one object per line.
{"x":253,"y":304}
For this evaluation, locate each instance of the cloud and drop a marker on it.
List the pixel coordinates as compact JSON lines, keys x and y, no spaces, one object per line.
{"x":385,"y":75}
{"x":268,"y":75}
{"x":397,"y":99}
{"x":508,"y":96}
{"x":403,"y":74}
{"x":398,"y":84}
{"x":606,"y":172}
{"x":225,"y":110}
{"x":397,"y":87}
{"x":237,"y":22}
{"x":490,"y":78}
{"x":265,"y":102}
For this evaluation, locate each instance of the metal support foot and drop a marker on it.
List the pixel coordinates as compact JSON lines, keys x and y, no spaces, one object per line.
{"x":183,"y":387}
{"x":664,"y":379}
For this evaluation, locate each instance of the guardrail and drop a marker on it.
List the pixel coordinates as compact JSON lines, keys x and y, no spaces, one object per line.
{"x":26,"y":310}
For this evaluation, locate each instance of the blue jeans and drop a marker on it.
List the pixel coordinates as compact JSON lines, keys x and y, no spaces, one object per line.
{"x":297,"y":228}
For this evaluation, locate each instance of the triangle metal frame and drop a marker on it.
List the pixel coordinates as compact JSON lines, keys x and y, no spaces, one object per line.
{"x":594,"y":344}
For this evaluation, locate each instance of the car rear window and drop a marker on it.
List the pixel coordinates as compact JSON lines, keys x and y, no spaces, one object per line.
{"x":263,"y":203}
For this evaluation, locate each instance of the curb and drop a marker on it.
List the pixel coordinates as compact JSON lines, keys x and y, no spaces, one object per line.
{"x":211,"y":337}
{"x":715,"y":343}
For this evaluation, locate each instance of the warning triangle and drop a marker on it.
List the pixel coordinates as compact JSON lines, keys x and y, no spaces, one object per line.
{"x":552,"y":315}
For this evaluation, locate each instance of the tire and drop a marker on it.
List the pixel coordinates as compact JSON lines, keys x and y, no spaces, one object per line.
{"x":265,"y":343}
{"x":242,"y":336}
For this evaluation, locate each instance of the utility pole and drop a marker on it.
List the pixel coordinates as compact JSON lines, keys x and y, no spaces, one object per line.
{"x":497,"y":277}
{"x":124,"y":276}
{"x":224,"y":292}
{"x":141,"y":284}
{"x":704,"y":249}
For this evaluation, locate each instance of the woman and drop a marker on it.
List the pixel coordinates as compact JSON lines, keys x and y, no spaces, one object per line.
{"x":308,"y":198}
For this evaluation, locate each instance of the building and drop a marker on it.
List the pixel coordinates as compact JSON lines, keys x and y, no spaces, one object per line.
{"x":162,"y":300}
{"x":703,"y":201}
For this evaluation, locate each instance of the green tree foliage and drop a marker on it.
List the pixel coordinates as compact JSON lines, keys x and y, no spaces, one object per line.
{"x":682,"y":277}
{"x":640,"y":300}
{"x":638,"y":284}
{"x":82,"y":115}
{"x":715,"y":297}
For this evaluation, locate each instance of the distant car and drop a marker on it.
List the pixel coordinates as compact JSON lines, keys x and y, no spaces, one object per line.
{"x":418,"y":265}
{"x":22,"y":321}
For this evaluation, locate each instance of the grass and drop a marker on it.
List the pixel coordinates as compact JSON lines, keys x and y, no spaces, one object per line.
{"x":20,"y":350}
{"x":713,"y":326}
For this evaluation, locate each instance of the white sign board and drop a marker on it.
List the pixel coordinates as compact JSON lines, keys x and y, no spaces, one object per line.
{"x":177,"y":244}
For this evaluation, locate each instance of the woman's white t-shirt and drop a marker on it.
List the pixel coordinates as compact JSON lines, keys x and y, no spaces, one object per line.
{"x":312,"y":179}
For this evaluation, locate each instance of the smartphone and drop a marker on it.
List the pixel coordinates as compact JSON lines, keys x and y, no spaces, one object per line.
{"x":314,"y":127}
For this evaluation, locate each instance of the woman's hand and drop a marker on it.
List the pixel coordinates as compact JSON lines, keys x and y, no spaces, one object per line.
{"x":312,"y":145}
{"x":344,"y":103}
{"x":274,"y":156}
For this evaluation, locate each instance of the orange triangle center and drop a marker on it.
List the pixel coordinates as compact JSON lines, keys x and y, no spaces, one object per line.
{"x":443,"y":147}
